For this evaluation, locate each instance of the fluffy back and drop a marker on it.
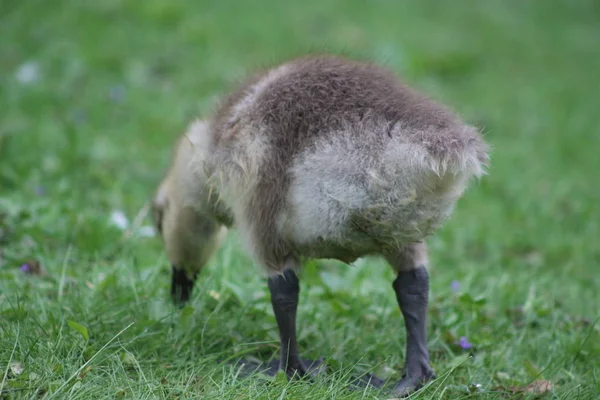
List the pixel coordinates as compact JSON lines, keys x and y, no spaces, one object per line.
{"x":304,"y":107}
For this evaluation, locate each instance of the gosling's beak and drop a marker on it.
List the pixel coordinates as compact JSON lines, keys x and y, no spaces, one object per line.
{"x":181,"y":285}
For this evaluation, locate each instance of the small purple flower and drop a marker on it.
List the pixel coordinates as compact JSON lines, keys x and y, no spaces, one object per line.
{"x":31,"y":267}
{"x":117,"y":93}
{"x":464,"y":343}
{"x":40,"y":190}
{"x":79,"y":116}
{"x":455,"y":286}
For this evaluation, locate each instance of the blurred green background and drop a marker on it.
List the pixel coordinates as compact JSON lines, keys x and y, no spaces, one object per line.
{"x":92,"y":97}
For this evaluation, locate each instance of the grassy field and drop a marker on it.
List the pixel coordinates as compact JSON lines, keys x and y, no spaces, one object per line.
{"x":92,"y":96}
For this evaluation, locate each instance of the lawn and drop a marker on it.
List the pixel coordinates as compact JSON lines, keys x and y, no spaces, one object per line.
{"x":92,"y":97}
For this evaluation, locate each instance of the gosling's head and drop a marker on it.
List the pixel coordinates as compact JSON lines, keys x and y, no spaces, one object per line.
{"x":185,"y":222}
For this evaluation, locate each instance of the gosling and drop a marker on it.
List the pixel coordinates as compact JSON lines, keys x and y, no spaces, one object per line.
{"x":320,"y":157}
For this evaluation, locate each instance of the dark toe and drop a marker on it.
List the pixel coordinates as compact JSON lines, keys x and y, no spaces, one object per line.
{"x":410,"y":384}
{"x":308,"y":369}
{"x":367,"y":381}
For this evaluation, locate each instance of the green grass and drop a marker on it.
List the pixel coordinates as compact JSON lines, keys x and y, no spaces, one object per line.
{"x":117,"y":81}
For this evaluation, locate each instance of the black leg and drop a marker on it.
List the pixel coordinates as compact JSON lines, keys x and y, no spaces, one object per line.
{"x":412,"y":292}
{"x":285,"y":289}
{"x":181,"y":285}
